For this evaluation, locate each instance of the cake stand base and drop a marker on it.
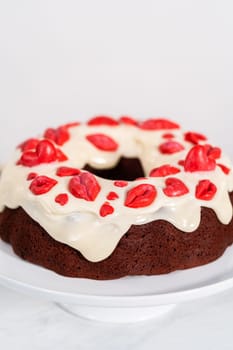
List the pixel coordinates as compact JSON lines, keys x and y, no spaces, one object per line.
{"x":117,"y":314}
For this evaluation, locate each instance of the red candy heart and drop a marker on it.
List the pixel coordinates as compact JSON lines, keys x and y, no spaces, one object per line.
{"x":128,"y":120}
{"x":164,"y":170}
{"x":194,"y":137}
{"x":213,"y":152}
{"x":175,"y":187}
{"x":84,"y":186}
{"x":28,"y":145}
{"x":225,"y":169}
{"x":181,"y":162}
{"x":42,"y":184}
{"x":62,"y":198}
{"x":112,"y":196}
{"x":67,"y":171}
{"x":31,"y":176}
{"x":140,"y":196}
{"x":102,"y":142}
{"x":71,"y":125}
{"x":158,"y":124}
{"x":46,"y":152}
{"x":29,"y":158}
{"x":198,"y":160}
{"x":120,"y":183}
{"x":171,"y":147}
{"x":59,"y":135}
{"x":205,"y":190}
{"x":61,"y":157}
{"x":102,"y":120}
{"x":168,"y":136}
{"x":106,"y":209}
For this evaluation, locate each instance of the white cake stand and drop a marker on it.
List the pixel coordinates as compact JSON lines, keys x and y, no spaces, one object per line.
{"x":129,"y":299}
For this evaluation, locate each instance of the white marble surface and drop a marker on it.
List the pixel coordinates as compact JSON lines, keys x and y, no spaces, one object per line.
{"x":29,"y":323}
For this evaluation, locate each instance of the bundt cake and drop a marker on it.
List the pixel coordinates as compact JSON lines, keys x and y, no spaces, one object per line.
{"x":112,"y":198}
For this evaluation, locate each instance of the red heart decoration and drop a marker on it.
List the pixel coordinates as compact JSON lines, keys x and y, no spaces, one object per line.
{"x":62,"y":198}
{"x":59,"y":135}
{"x":224,"y":168}
{"x":106,"y":209}
{"x":45,"y":152}
{"x":103,"y":120}
{"x":102,"y":142}
{"x":194,"y":137}
{"x":112,"y":196}
{"x":128,"y":120}
{"x":42,"y":184}
{"x":175,"y":187}
{"x":84,"y":186}
{"x":158,"y":124}
{"x":171,"y":147}
{"x":67,"y":171}
{"x":140,"y":196}
{"x":29,"y":144}
{"x":164,"y":170}
{"x":205,"y":190}
{"x":213,"y":152}
{"x":29,"y":158}
{"x":198,"y":160}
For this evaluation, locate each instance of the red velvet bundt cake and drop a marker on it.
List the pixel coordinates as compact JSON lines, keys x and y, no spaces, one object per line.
{"x":113,"y":198}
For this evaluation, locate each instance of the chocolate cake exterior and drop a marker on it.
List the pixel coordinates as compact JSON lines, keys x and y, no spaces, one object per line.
{"x":150,"y":249}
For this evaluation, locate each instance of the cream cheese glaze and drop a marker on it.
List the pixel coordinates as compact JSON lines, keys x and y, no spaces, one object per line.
{"x":79,"y":224}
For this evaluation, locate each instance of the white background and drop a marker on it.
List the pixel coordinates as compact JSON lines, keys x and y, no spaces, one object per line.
{"x":67,"y":60}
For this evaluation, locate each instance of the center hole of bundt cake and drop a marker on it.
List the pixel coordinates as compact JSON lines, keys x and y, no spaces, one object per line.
{"x":126,"y":169}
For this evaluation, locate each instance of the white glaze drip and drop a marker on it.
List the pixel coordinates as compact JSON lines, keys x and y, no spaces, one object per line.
{"x":79,"y":224}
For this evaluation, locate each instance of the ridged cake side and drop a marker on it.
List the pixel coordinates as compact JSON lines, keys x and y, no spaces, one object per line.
{"x":153,"y":248}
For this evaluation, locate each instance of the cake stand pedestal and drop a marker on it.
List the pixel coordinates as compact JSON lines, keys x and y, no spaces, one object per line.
{"x":117,"y":314}
{"x":125,"y":300}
